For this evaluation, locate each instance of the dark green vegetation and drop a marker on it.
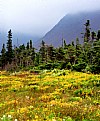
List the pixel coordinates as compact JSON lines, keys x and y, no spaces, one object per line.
{"x":75,"y":56}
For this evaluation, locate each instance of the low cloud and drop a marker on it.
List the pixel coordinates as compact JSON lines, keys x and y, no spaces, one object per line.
{"x":39,"y":16}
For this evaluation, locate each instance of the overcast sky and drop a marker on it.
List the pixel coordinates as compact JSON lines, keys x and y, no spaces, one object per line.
{"x":39,"y":16}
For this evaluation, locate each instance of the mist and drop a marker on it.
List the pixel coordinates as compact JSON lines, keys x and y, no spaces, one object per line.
{"x":36,"y":17}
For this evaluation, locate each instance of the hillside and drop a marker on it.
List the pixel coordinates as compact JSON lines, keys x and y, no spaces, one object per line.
{"x":70,"y":27}
{"x":57,"y":95}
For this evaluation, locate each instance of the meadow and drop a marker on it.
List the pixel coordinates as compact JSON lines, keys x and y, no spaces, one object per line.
{"x":56,"y":95}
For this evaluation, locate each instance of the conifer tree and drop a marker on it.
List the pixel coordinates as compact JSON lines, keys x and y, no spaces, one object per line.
{"x":31,"y":44}
{"x":98,"y":35}
{"x":9,"y":47}
{"x":93,"y":35}
{"x":71,"y":53}
{"x":51,"y":53}
{"x":65,"y":44}
{"x":96,"y":57}
{"x":27,"y":46}
{"x":42,"y":51}
{"x":3,"y":56}
{"x":37,"y":59}
{"x":87,"y":31}
{"x":33,"y":54}
{"x":60,"y":54}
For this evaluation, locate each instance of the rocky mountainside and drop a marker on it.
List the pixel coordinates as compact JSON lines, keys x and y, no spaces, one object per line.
{"x":70,"y":27}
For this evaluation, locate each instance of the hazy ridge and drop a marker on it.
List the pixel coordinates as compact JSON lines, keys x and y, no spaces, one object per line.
{"x":70,"y":27}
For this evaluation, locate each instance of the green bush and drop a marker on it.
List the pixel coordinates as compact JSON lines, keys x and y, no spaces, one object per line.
{"x":95,"y":69}
{"x":48,"y":66}
{"x":56,"y":65}
{"x":69,"y":66}
{"x":63,"y":65}
{"x":41,"y":67}
{"x":79,"y":66}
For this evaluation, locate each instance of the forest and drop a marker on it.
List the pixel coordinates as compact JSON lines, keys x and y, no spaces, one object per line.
{"x":79,"y":56}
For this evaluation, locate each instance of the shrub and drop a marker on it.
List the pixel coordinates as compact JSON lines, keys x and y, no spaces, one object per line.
{"x":79,"y":66}
{"x":95,"y":69}
{"x":48,"y":66}
{"x":63,"y":65}
{"x":69,"y":66}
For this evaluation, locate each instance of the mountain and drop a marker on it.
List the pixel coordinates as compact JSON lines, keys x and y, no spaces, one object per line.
{"x":70,"y":27}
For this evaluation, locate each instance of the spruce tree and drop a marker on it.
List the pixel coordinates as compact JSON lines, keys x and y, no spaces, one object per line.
{"x":3,"y":56}
{"x":93,"y":36}
{"x":98,"y":35}
{"x":65,"y":44}
{"x":87,"y":31}
{"x":42,"y":51}
{"x":51,"y":53}
{"x":9,"y":47}
{"x":33,"y":54}
{"x":27,"y":46}
{"x":31,"y":44}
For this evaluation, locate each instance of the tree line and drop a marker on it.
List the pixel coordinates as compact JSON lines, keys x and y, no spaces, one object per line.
{"x":79,"y":56}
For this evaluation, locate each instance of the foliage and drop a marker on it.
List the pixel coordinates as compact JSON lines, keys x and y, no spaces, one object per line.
{"x":79,"y":67}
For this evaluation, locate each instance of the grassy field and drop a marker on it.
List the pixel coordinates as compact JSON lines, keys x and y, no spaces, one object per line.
{"x":57,"y":95}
